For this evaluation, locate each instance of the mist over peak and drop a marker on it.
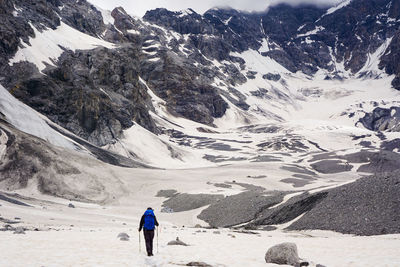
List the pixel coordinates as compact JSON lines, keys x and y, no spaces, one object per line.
{"x":139,"y":8}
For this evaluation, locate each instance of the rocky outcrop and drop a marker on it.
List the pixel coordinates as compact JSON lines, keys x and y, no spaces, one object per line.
{"x":382,"y":119}
{"x":389,"y":61}
{"x":181,"y":85}
{"x":95,"y":94}
{"x":285,"y":253}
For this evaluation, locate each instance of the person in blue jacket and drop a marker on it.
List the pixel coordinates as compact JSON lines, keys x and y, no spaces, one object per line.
{"x":148,"y":223}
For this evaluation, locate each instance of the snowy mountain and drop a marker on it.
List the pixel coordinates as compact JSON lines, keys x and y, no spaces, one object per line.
{"x":270,"y":117}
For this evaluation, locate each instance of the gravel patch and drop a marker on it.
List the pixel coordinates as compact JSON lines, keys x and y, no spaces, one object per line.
{"x":296,"y":182}
{"x":166,"y":193}
{"x":265,"y":159}
{"x":298,"y":169}
{"x":383,"y":161}
{"x":238,"y":209}
{"x":369,"y":206}
{"x":223,"y":185}
{"x":185,"y":202}
{"x":323,"y":156}
{"x":302,"y":176}
{"x":331,"y":166}
{"x":288,"y":211}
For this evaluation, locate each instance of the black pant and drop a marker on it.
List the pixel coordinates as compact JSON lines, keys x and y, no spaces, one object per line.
{"x":148,"y":237}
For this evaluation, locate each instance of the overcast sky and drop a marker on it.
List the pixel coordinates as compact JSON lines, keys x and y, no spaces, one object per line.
{"x":139,"y":7}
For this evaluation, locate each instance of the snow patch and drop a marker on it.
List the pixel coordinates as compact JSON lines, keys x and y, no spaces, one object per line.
{"x":3,"y":144}
{"x":337,"y":7}
{"x":134,"y":32}
{"x":107,"y":17}
{"x":372,"y":64}
{"x":46,"y":45}
{"x":315,"y":31}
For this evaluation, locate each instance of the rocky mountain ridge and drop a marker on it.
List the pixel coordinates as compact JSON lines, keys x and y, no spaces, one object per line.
{"x":197,"y":65}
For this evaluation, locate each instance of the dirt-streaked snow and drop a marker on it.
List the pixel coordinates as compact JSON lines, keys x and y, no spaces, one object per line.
{"x":30,"y":121}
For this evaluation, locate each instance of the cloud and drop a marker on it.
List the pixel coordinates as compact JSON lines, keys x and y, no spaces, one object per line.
{"x":139,"y":7}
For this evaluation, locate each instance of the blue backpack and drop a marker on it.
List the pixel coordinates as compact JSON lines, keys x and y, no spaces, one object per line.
{"x":149,"y":220}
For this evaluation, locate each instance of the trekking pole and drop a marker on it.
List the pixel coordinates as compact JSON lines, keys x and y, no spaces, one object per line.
{"x":157,"y":240}
{"x":140,"y":247}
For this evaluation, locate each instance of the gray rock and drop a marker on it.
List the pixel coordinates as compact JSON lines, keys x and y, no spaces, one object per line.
{"x":19,"y":230}
{"x":285,"y":253}
{"x":123,"y":236}
{"x":382,"y":119}
{"x":177,"y":242}
{"x":199,"y":264}
{"x":272,"y":77}
{"x":70,"y":205}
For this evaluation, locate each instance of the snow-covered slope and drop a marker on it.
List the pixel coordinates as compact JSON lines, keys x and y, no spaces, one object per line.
{"x":28,"y":120}
{"x":269,"y":109}
{"x":47,"y":46}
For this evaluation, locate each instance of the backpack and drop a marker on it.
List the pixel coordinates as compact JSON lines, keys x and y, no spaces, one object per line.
{"x":149,"y":220}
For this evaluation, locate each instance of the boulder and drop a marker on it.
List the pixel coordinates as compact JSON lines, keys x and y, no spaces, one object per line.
{"x":177,"y":242}
{"x":123,"y":236}
{"x":285,"y":253}
{"x":19,"y":230}
{"x":199,"y":264}
{"x":70,"y":205}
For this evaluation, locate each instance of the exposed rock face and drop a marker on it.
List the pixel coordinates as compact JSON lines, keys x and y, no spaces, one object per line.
{"x":390,"y":60}
{"x":285,"y":253}
{"x":95,"y":94}
{"x":181,"y":86}
{"x":307,"y":39}
{"x":381,"y":119}
{"x":82,"y":16}
{"x":179,"y":70}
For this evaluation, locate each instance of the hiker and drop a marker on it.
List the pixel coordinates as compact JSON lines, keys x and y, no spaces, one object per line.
{"x":148,"y":222}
